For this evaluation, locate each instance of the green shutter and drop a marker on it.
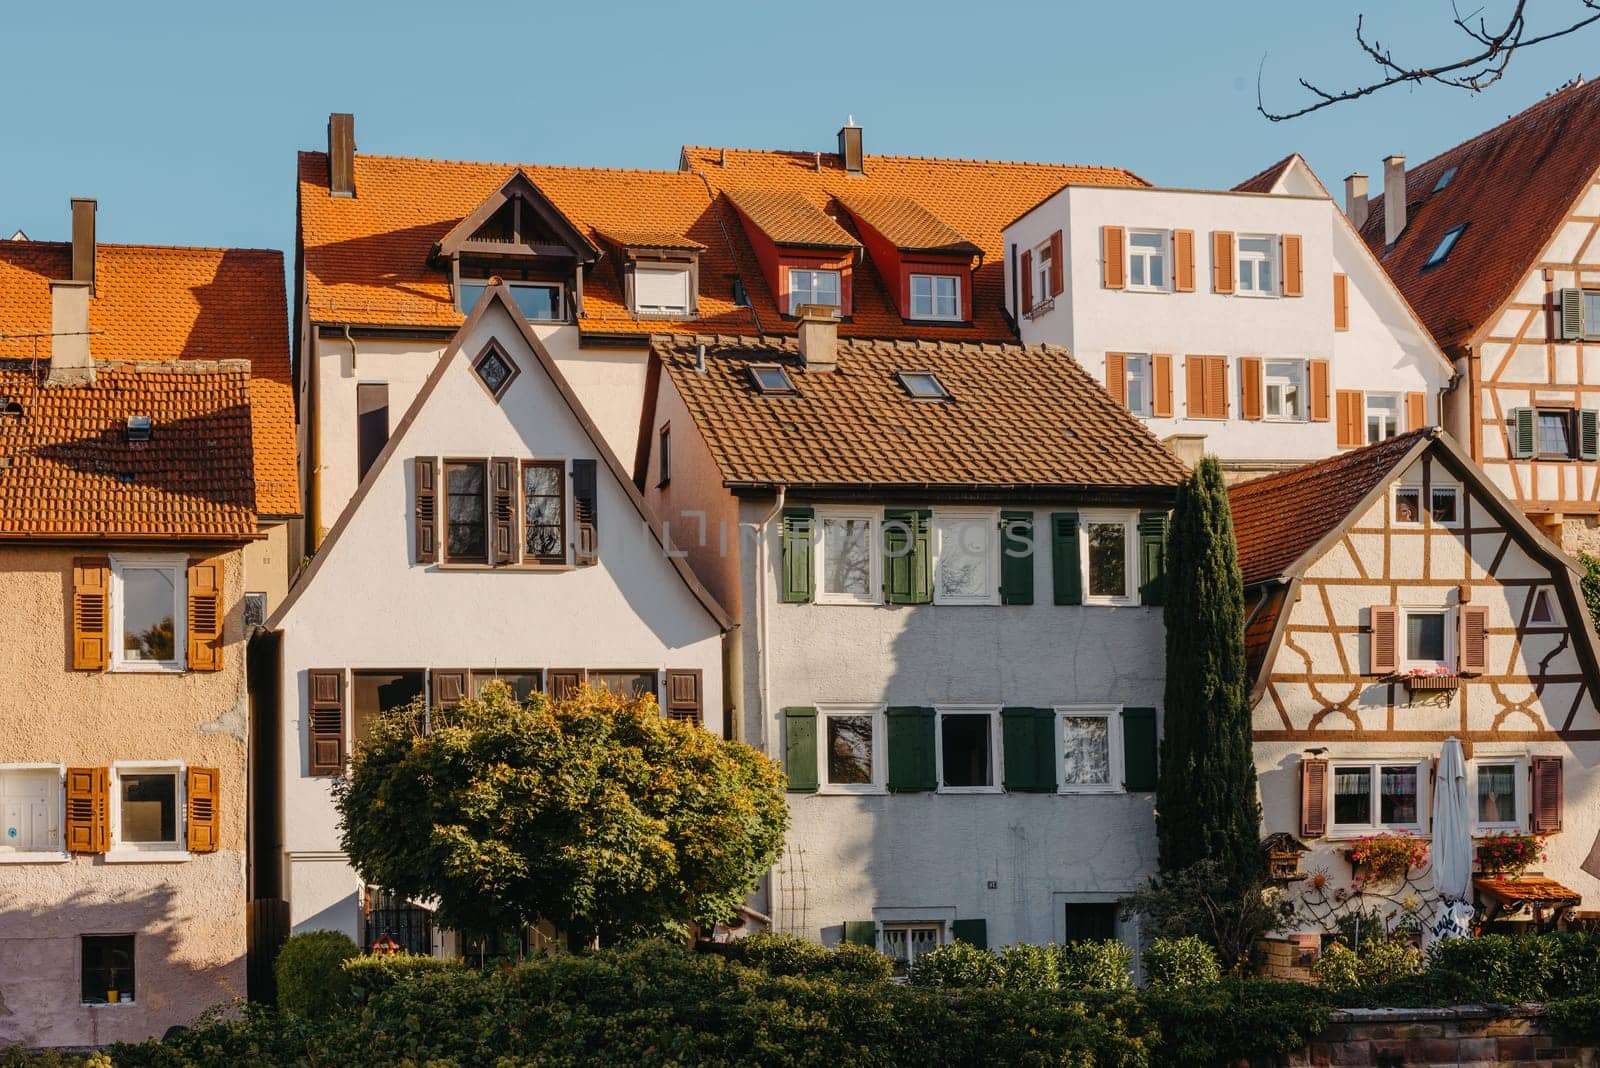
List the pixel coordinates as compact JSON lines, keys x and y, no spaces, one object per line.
{"x":911,"y":750}
{"x":1029,"y":739}
{"x":861,"y":933}
{"x":1139,"y":749}
{"x":800,"y":749}
{"x":1153,"y":557}
{"x":1523,"y":443}
{"x":1064,"y":561}
{"x":1588,"y":434}
{"x":973,"y":932}
{"x":907,"y":556}
{"x":1572,"y":326}
{"x":798,"y":537}
{"x":1016,"y":557}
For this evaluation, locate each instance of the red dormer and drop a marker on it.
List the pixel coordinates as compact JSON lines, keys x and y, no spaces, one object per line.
{"x":806,"y":256}
{"x":926,"y":265}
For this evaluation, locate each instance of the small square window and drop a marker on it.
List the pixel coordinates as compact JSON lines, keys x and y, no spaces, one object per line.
{"x":1446,"y":505}
{"x":30,"y":810}
{"x":1555,"y":434}
{"x":1408,"y":504}
{"x":524,"y":684}
{"x":935,"y":296}
{"x":1283,"y":383}
{"x":374,"y":693}
{"x":770,"y":378}
{"x":1147,"y":259}
{"x":923,"y":385}
{"x":1497,"y":794}
{"x":255,"y":610}
{"x":661,"y":290}
{"x":1425,"y":637}
{"x":1090,"y":921}
{"x":850,"y":758}
{"x":1442,"y":251}
{"x":1258,"y":265}
{"x":1368,"y":796}
{"x":495,"y":370}
{"x":625,"y":685}
{"x":967,"y":750}
{"x":147,"y":806}
{"x":905,"y":942}
{"x":1444,"y":179}
{"x":1383,"y":416}
{"x":107,"y":969}
{"x":812,"y":287}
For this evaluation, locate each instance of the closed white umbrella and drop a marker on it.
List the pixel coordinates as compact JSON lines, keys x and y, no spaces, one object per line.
{"x":1452,"y":826}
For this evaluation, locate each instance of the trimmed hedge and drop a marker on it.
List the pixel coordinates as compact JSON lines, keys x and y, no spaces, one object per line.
{"x":1186,"y":961}
{"x":1105,"y":965}
{"x":311,"y":981}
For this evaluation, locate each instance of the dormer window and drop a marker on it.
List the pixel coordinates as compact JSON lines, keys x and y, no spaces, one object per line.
{"x":539,"y":302}
{"x":661,"y":290}
{"x":935,"y":296}
{"x":812,"y":287}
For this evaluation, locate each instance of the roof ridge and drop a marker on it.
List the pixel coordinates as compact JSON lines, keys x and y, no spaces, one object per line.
{"x":1278,"y":165}
{"x":1315,"y":467}
{"x":810,"y":154}
{"x":518,"y":165}
{"x":31,"y":243}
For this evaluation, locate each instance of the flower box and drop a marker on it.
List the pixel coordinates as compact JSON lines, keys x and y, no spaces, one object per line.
{"x":1381,"y":857}
{"x":1509,"y":855}
{"x":1433,"y":682}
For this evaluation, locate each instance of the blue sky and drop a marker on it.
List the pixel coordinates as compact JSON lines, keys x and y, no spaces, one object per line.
{"x":183,"y":119}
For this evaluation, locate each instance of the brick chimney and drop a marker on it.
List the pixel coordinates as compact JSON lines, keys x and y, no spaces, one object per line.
{"x":341,"y":155}
{"x":819,"y":336}
{"x":850,"y":148}
{"x":83,"y":209}
{"x":1394,"y":198}
{"x":1355,"y":199}
{"x":70,"y":362}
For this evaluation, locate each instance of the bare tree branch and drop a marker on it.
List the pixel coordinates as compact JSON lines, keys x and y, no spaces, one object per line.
{"x":1474,"y":73}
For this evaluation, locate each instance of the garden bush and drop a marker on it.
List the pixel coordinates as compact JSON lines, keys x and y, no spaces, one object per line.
{"x":1104,"y":965}
{"x":1576,"y":1019}
{"x":1186,"y":961}
{"x":783,"y":954}
{"x":1377,"y":961}
{"x":958,"y":965}
{"x":1029,"y":967}
{"x":311,"y":978}
{"x":369,"y":976}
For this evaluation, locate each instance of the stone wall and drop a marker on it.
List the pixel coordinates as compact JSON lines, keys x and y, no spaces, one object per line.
{"x":1507,"y":1037}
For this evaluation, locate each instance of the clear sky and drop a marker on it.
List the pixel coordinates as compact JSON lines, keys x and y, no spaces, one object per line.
{"x":184,"y":118}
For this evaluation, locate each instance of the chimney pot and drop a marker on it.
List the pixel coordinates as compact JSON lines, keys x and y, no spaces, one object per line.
{"x":341,"y":154}
{"x":83,"y":209}
{"x":850,"y":152}
{"x":1355,"y":199}
{"x":819,"y":336}
{"x":1394,"y":198}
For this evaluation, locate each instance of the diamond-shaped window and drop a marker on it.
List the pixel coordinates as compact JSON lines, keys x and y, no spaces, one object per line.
{"x":495,"y":370}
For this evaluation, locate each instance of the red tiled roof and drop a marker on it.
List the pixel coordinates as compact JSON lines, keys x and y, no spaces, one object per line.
{"x":1512,"y":185}
{"x":1020,"y":416}
{"x":790,"y":219}
{"x":66,"y":467}
{"x":1261,"y":623}
{"x":1532,"y":888}
{"x":162,"y":304}
{"x":908,"y":225}
{"x":1263,"y":181}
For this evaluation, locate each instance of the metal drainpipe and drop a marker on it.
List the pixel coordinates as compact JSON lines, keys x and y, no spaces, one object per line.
{"x":763,"y":675}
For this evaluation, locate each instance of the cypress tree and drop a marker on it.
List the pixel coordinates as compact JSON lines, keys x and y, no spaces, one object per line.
{"x":1206,"y":803}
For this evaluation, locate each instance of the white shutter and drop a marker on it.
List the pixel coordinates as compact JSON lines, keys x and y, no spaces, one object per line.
{"x":656,"y":290}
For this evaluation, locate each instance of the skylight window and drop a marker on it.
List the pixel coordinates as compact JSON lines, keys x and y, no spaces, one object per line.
{"x":1444,"y":179}
{"x":923,"y":385}
{"x":770,"y":378}
{"x":1446,"y":243}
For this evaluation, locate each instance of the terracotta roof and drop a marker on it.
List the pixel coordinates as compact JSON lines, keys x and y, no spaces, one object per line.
{"x":662,"y":239}
{"x":161,"y":304}
{"x":67,"y":468}
{"x":788,"y":218}
{"x":1261,"y":623}
{"x":1264,"y":181}
{"x":1277,"y":519}
{"x":1529,"y":888}
{"x":1020,"y":416}
{"x":1511,"y":187}
{"x":909,"y":226}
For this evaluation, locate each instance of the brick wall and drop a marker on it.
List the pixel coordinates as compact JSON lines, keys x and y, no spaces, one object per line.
{"x":1504,"y":1036}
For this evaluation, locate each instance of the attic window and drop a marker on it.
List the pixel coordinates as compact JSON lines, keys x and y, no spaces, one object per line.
{"x":495,"y":370}
{"x":9,"y":407}
{"x":139,"y":428}
{"x":923,"y":385}
{"x":770,"y":378}
{"x":1444,"y":179}
{"x":1446,"y":243}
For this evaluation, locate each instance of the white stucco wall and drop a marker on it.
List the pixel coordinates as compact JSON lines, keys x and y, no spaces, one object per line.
{"x":368,"y":606}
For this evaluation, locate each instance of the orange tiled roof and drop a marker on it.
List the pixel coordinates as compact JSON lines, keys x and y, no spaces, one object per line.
{"x":1263,"y":181}
{"x":160,"y":304}
{"x":1512,"y":185}
{"x":663,"y":239}
{"x":1530,"y":888}
{"x":1021,"y":416}
{"x":788,"y":218}
{"x":67,"y":469}
{"x":907,"y":224}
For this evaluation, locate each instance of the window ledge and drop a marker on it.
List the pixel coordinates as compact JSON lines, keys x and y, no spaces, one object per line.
{"x":34,"y":858}
{"x":146,"y":856}
{"x":1088,"y":790}
{"x":1369,"y":832}
{"x":958,"y":791}
{"x":489,"y":569}
{"x":845,"y":791}
{"x":146,"y":669}
{"x":850,"y":602}
{"x":128,"y":1003}
{"x":1145,"y":289}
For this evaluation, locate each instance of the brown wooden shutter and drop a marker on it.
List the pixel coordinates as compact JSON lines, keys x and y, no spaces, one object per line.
{"x":563,"y":683}
{"x":425,"y":509}
{"x":88,"y":822}
{"x":1416,"y":410}
{"x":203,"y":800}
{"x":1544,"y":813}
{"x":1117,"y":377}
{"x":1194,"y":385}
{"x":503,"y":542}
{"x":1213,"y":387}
{"x":208,"y":610}
{"x":325,"y":721}
{"x":1222,"y":261}
{"x":685,"y":697}
{"x":1341,"y":302}
{"x":449,"y":686}
{"x":1472,"y":649}
{"x":91,"y":613}
{"x":1161,"y":388}
{"x":1293,"y":266}
{"x":1351,"y":415}
{"x":1183,"y":261}
{"x":1058,"y":265}
{"x":586,"y":510}
{"x":1027,"y":282}
{"x":1319,"y":390}
{"x":1250,"y":396}
{"x":1313,"y":797}
{"x":1114,"y":254}
{"x":1383,"y":644}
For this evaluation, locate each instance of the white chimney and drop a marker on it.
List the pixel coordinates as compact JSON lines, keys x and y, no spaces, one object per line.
{"x":819,"y":336}
{"x":70,"y":362}
{"x":1355,"y":199}
{"x":1394,"y":198}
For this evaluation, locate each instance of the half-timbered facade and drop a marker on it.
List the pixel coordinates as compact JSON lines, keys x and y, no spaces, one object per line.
{"x":1396,"y":598}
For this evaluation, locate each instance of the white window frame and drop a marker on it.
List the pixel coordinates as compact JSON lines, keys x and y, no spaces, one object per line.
{"x":1407,"y":488}
{"x":885,"y":926}
{"x":996,"y":762}
{"x":874,"y":593}
{"x":179,"y":566}
{"x":1269,"y":257}
{"x":1519,"y":777}
{"x":1137,"y":368}
{"x":1375,"y":768}
{"x":1041,"y":272}
{"x":45,"y":856}
{"x":1425,"y":506}
{"x":1297,"y":379}
{"x":132,"y":852}
{"x":880,"y":763}
{"x":933,"y":297}
{"x":1367,"y":413}
{"x":1130,"y":524}
{"x":559,"y":287}
{"x":987,"y":523}
{"x":682,"y":273}
{"x":1455,"y":491}
{"x":1162,"y":255}
{"x":1112,"y":714}
{"x":1448,"y":614}
{"x":812,"y":273}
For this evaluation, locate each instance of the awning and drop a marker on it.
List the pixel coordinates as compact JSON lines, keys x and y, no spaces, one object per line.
{"x":1547,"y":898}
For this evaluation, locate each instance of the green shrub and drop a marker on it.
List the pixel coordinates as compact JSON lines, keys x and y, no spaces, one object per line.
{"x":1338,"y":969}
{"x":1029,"y":967}
{"x":1102,"y":965}
{"x":1379,"y":961}
{"x":370,"y":976}
{"x":311,"y":979}
{"x":1186,"y":961}
{"x":1234,"y":1020}
{"x":784,"y":954}
{"x":958,"y":965}
{"x":1496,"y":968}
{"x":1576,"y":1019}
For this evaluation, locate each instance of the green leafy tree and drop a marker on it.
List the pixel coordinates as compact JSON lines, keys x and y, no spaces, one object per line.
{"x":602,"y":817}
{"x":1590,"y":584}
{"x":1206,"y":803}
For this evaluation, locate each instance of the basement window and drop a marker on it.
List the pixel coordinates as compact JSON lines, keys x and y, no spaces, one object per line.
{"x":770,"y":378}
{"x":923,"y":385}
{"x":1446,"y":243}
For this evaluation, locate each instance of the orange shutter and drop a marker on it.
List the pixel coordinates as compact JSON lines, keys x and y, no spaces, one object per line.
{"x":1416,"y":411}
{"x":1183,"y":261}
{"x":1217,"y":386}
{"x":1350,"y":410}
{"x":1058,"y":265}
{"x":1117,"y":377}
{"x":1545,"y":812}
{"x":207,"y":612}
{"x":91,"y":613}
{"x":1161,"y":389}
{"x":1293,"y":267}
{"x":1383,"y":656}
{"x":1222,"y":261}
{"x":203,"y":801}
{"x":1250,"y":397}
{"x":88,"y":821}
{"x":1313,"y":797}
{"x":1341,"y":302}
{"x":1473,"y":646}
{"x":1194,"y":386}
{"x":1114,"y":251}
{"x":1027,"y":282}
{"x":1319,"y":390}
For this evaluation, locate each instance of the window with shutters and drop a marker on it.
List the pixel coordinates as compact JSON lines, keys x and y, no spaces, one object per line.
{"x":107,"y":969}
{"x":149,"y":613}
{"x":1043,"y":257}
{"x":146,"y":806}
{"x":850,"y":750}
{"x":1109,"y":547}
{"x":1383,"y":416}
{"x":31,"y":800}
{"x":1498,"y":788}
{"x":812,"y":287}
{"x":1591,"y":315}
{"x":905,"y":942}
{"x":1137,"y":385}
{"x":628,"y":684}
{"x":1555,"y":437}
{"x":966,"y":550}
{"x":466,"y":487}
{"x":1283,"y":389}
{"x":372,"y":693}
{"x":1256,"y":260}
{"x":544,"y":511}
{"x":1148,"y":259}
{"x":1428,"y":640}
{"x":1374,"y":795}
{"x":1089,"y":753}
{"x":524,"y":682}
{"x":936,"y":296}
{"x":968,"y":753}
{"x":847,"y":559}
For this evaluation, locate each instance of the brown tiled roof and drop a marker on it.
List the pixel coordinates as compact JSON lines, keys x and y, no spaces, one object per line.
{"x":66,"y":467}
{"x":1512,"y":186}
{"x":1261,"y":622}
{"x":1020,"y":416}
{"x":162,"y":304}
{"x":1277,"y":519}
{"x":1263,"y":181}
{"x":1532,"y":888}
{"x":788,"y":218}
{"x":908,"y":225}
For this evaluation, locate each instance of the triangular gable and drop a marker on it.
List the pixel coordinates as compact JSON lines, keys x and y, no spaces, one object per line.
{"x":501,"y":294}
{"x":535,"y":227}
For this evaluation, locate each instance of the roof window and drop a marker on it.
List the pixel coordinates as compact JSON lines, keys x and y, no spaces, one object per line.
{"x":139,"y":428}
{"x":1446,"y":243}
{"x":770,"y":378}
{"x":1444,"y":179}
{"x":923,"y":385}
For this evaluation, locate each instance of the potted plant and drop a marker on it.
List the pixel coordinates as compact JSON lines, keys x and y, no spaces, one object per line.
{"x":1507,"y":855}
{"x":1437,"y":678}
{"x":1378,"y":857}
